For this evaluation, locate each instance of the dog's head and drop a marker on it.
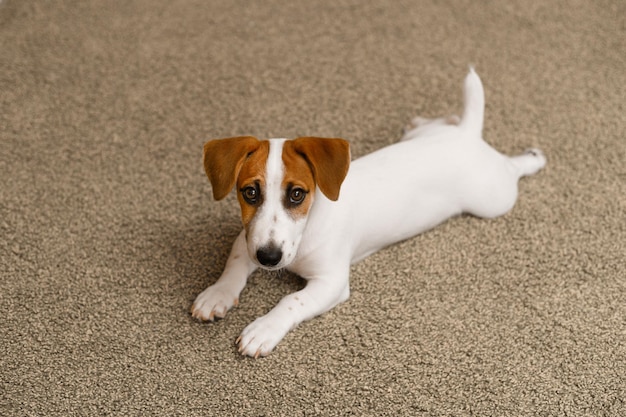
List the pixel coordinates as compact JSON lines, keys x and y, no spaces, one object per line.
{"x":276,"y":181}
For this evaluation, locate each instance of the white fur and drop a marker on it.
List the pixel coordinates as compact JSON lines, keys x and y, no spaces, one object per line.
{"x":439,"y":169}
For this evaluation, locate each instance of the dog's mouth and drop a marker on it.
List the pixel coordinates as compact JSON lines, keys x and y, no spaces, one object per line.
{"x":271,"y":268}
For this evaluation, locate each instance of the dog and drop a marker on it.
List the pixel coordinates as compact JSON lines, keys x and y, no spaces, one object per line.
{"x":306,"y":208}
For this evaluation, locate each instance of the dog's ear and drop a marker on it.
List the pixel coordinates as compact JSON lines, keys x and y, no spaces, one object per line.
{"x":328,"y":159}
{"x":223,"y":159}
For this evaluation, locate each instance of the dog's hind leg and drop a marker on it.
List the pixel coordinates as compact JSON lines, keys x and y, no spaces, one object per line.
{"x":494,"y":192}
{"x":413,"y":128}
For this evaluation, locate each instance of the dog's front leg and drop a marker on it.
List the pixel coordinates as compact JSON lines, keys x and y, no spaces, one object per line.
{"x":319,"y":296}
{"x":220,"y":297}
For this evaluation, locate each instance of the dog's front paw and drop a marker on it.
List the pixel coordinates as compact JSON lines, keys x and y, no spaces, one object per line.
{"x":261,"y":336}
{"x":212,"y":303}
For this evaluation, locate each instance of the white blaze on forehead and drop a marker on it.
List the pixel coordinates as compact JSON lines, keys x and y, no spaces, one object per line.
{"x":263,"y":227}
{"x":275,"y":170}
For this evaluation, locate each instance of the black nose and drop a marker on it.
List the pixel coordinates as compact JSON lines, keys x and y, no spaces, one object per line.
{"x":269,"y":255}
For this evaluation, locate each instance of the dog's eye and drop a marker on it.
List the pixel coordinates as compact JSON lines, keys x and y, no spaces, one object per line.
{"x":250,"y":194}
{"x":296,"y":196}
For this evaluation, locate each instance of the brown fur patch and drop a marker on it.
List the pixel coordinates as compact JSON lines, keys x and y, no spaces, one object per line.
{"x":328,"y":161}
{"x":252,"y":171}
{"x":223,"y":159}
{"x":297,"y":174}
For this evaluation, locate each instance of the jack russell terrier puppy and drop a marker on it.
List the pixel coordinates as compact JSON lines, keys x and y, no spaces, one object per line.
{"x":295,"y":217}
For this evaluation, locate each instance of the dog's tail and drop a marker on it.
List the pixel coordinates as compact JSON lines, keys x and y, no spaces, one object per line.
{"x":474,"y":110}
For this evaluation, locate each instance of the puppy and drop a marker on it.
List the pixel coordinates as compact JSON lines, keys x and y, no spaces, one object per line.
{"x":307,"y":209}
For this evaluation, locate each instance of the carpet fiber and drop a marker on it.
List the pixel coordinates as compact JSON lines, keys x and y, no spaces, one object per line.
{"x":108,"y":230}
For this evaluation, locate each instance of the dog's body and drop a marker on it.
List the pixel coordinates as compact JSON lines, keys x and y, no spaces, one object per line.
{"x":293,"y":218}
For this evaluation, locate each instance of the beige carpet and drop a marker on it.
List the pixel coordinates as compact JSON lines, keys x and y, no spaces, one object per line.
{"x":108,"y":230}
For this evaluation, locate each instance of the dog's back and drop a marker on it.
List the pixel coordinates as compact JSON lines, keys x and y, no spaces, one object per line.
{"x":440,"y":168}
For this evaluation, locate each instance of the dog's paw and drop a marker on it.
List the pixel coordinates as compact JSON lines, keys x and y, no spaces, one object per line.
{"x":531,"y":161}
{"x":414,"y":128}
{"x":537,"y":153}
{"x":212,"y":303}
{"x":414,"y":124}
{"x":417,"y":122}
{"x":452,"y":120}
{"x":261,"y":337}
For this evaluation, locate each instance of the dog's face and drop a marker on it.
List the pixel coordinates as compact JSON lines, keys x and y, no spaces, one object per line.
{"x":276,"y":182}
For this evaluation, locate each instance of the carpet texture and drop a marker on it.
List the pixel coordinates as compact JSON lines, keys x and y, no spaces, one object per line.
{"x":108,"y":230}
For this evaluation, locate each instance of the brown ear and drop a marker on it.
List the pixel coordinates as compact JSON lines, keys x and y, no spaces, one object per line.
{"x":223,"y":159}
{"x":328,"y":159}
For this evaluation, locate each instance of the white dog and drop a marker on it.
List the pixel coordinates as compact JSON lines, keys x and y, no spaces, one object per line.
{"x":295,"y":217}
